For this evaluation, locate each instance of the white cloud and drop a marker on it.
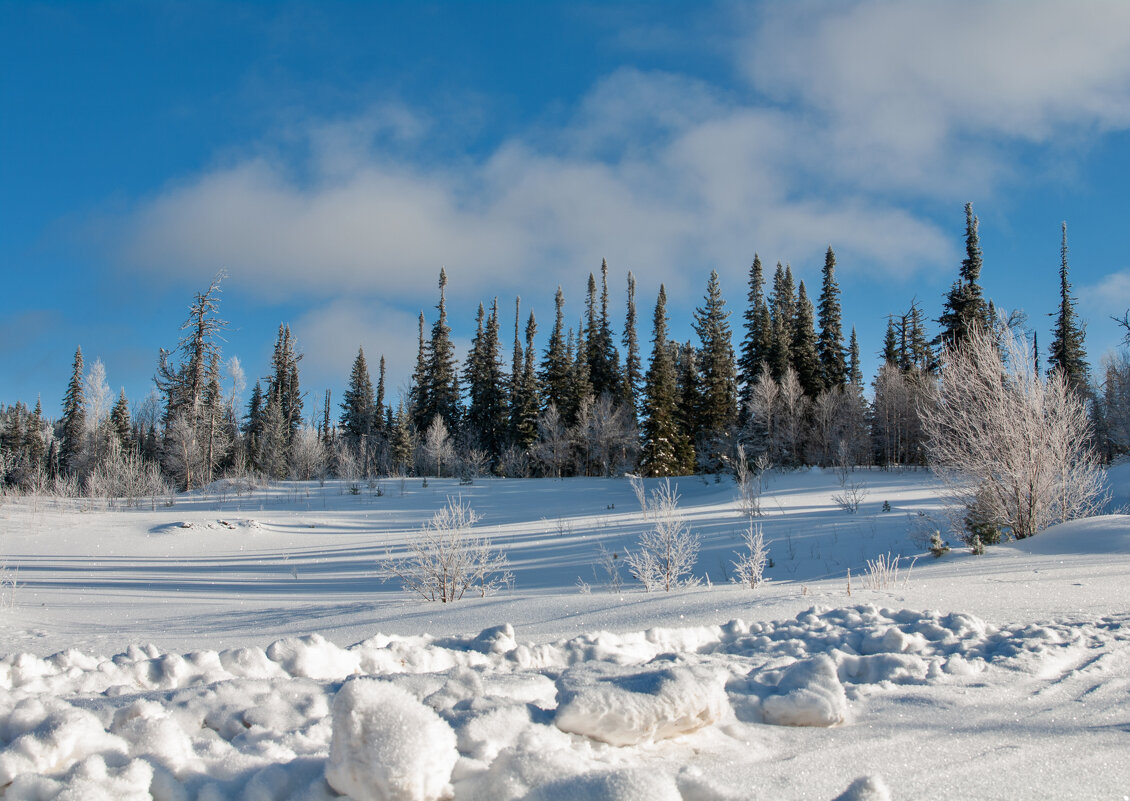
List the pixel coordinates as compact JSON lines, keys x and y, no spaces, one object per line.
{"x":666,"y":174}
{"x":915,"y":89}
{"x":1109,"y":296}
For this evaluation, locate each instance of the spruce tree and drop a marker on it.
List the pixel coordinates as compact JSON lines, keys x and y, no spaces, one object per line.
{"x":403,"y":440}
{"x":119,"y":423}
{"x":855,"y":370}
{"x":580,"y":383}
{"x":486,"y":412}
{"x":757,"y":343}
{"x":327,"y":432}
{"x":274,"y":439}
{"x":782,"y":309}
{"x":890,"y":345}
{"x":921,"y":355}
{"x":442,"y":378}
{"x":803,"y":354}
{"x":831,"y":343}
{"x":601,"y":354}
{"x":1066,"y":354}
{"x":253,"y":427}
{"x":666,"y":450}
{"x":283,"y":384}
{"x":556,"y":367}
{"x":965,"y":307}
{"x":379,"y":410}
{"x":184,"y":385}
{"x":688,"y":387}
{"x":34,"y":446}
{"x":719,"y":409}
{"x":526,"y":401}
{"x":358,"y":410}
{"x":632,"y":366}
{"x":74,"y":418}
{"x":418,"y":393}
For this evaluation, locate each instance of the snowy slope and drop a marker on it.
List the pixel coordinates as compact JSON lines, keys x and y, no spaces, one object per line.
{"x":170,"y":653}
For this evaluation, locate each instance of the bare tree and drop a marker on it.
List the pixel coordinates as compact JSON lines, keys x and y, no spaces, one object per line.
{"x":666,"y":551}
{"x":1008,"y":443}
{"x":437,"y":445}
{"x":446,"y":559}
{"x":792,"y":416}
{"x":552,"y":448}
{"x":307,"y":455}
{"x":605,"y":437}
{"x":749,"y":482}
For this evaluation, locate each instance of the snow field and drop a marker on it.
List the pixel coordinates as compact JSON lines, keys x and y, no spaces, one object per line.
{"x":1018,"y":686}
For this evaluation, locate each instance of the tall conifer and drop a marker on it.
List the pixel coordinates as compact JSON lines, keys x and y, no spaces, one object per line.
{"x":831,"y":344}
{"x":74,"y":417}
{"x":1066,"y":354}
{"x":757,"y":342}
{"x":719,"y":410}
{"x":666,"y":450}
{"x":556,"y":367}
{"x":358,"y":410}
{"x":965,"y":307}
{"x":632,"y":366}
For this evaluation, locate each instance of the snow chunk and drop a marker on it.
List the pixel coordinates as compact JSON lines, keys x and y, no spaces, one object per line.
{"x":866,"y":788}
{"x":810,"y":694}
{"x":387,"y":746}
{"x":624,"y":706}
{"x":313,"y":657}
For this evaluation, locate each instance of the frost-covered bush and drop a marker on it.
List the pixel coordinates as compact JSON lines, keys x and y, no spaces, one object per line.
{"x":749,"y":569}
{"x":1013,"y":447}
{"x":666,"y":552}
{"x":446,"y":558}
{"x":126,"y":476}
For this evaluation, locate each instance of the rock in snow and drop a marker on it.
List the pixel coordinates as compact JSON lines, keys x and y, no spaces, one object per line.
{"x":387,"y":746}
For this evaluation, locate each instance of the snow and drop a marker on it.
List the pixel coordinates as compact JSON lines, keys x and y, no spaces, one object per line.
{"x":388,"y":746}
{"x":244,"y":647}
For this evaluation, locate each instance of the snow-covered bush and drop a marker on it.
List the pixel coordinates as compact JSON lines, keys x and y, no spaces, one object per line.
{"x":125,"y":476}
{"x":749,"y":569}
{"x":883,"y":572}
{"x":1010,"y":444}
{"x":446,"y":559}
{"x":665,"y":552}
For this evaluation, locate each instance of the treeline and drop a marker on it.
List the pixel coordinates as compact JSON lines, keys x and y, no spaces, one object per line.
{"x":589,"y":403}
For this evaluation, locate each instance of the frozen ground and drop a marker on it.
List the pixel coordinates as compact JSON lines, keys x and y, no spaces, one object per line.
{"x":244,"y":647}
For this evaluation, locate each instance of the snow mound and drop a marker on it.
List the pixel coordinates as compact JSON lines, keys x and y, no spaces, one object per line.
{"x":387,"y":746}
{"x":630,"y":706}
{"x":1106,"y":534}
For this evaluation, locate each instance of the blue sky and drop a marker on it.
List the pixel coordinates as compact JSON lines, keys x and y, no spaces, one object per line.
{"x":332,"y":156}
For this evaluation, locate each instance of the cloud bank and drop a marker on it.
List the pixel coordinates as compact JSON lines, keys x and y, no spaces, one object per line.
{"x":847,"y":125}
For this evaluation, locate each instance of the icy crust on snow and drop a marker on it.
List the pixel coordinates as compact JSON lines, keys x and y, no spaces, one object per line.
{"x":481,"y":717}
